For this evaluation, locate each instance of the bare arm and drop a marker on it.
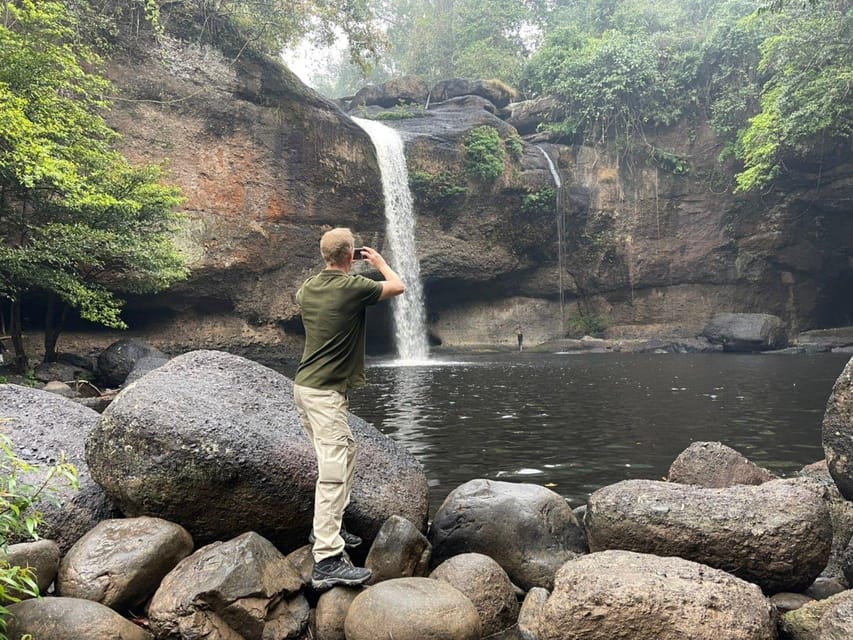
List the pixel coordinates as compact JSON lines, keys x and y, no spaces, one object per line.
{"x":392,"y":286}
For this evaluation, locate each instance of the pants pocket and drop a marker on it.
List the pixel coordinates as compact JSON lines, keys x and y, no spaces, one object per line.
{"x":332,"y":465}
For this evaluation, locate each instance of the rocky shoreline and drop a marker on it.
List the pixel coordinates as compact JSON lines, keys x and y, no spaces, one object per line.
{"x":195,"y":505}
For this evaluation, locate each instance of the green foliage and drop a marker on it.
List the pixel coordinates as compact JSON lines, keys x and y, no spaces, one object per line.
{"x":400,"y":112}
{"x":616,"y":84}
{"x":484,"y":155}
{"x":539,"y":203}
{"x":18,"y":520}
{"x":514,"y":146}
{"x":585,"y":323}
{"x":76,"y":219}
{"x":806,"y":103}
{"x":435,"y":189}
{"x":669,"y":161}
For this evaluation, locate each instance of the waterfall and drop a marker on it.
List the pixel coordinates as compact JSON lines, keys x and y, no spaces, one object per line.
{"x":409,"y":311}
{"x":558,"y":211}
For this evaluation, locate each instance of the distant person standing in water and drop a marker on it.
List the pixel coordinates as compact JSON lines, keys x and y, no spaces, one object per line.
{"x":333,"y":306}
{"x":520,"y":337}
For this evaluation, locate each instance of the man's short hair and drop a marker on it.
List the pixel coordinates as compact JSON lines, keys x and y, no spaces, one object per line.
{"x":336,"y":245}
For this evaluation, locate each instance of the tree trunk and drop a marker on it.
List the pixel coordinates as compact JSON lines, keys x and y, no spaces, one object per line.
{"x":19,"y":362}
{"x":52,"y":327}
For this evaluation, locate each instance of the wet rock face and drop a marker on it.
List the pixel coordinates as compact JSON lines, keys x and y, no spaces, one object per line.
{"x":42,"y":426}
{"x":213,"y":442}
{"x":230,"y":590}
{"x":604,"y":595}
{"x":838,"y":432}
{"x":777,"y":535}
{"x":266,"y":164}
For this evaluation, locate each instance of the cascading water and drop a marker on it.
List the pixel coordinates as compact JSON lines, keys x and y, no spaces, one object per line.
{"x":558,"y":209}
{"x":409,"y":311}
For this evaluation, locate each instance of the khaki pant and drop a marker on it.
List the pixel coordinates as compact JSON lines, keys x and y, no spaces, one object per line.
{"x":324,"y":416}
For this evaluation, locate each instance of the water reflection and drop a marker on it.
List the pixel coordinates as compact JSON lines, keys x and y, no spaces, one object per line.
{"x":576,"y":423}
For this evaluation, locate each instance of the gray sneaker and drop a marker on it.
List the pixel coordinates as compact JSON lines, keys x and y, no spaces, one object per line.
{"x":338,"y":571}
{"x":351,"y":541}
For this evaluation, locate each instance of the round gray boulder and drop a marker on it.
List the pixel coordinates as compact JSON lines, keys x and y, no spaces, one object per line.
{"x":621,"y":594}
{"x":528,"y":529}
{"x":412,"y":609}
{"x":117,"y":361}
{"x":213,"y":442}
{"x":70,"y":619}
{"x":120,"y":563}
{"x":42,"y":426}
{"x":777,"y":535}
{"x":838,"y":432}
{"x":747,"y":331}
{"x":331,"y":612}
{"x":486,"y":585}
{"x":713,"y":464}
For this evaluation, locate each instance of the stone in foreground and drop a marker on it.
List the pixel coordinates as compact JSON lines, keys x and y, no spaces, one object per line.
{"x":530,"y":530}
{"x":715,"y":465}
{"x":231,"y":589}
{"x":412,"y":609}
{"x":121,"y":562}
{"x":838,"y":432}
{"x":70,"y":619}
{"x":621,"y":595}
{"x":777,"y":535}
{"x":213,"y":442}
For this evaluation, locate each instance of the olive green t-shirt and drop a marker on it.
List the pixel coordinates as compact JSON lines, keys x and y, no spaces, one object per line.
{"x":333,"y":312}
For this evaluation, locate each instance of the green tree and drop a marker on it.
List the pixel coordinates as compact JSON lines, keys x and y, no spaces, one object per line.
{"x":78,"y":223}
{"x":806,"y":102}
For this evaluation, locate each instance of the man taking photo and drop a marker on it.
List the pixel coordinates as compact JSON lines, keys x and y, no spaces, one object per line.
{"x":333,"y":306}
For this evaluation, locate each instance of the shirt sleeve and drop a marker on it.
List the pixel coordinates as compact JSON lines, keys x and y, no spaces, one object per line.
{"x":370,"y":289}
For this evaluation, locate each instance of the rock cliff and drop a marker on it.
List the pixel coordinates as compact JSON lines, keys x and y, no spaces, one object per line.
{"x":652,"y":244}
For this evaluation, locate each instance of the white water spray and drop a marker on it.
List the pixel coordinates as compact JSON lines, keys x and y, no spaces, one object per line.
{"x":558,"y":184}
{"x":409,"y":311}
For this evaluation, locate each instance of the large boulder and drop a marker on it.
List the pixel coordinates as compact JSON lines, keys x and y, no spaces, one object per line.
{"x":621,"y":594}
{"x":43,"y":426}
{"x":213,"y":442}
{"x":412,"y":609}
{"x":526,"y":116}
{"x":747,"y":331}
{"x":117,"y":361}
{"x":841,"y":515}
{"x":713,"y":464}
{"x":495,"y":91}
{"x":230,"y":590}
{"x":407,"y":89}
{"x":530,"y":530}
{"x":838,"y":432}
{"x":837,"y":622}
{"x":777,"y":535}
{"x":486,"y":585}
{"x":120,"y":563}
{"x":70,"y":619}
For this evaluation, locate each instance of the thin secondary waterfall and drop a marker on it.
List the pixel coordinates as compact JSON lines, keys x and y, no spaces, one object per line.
{"x":558,"y":210}
{"x":409,"y":311}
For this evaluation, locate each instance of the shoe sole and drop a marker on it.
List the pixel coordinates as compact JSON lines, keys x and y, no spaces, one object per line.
{"x":328,"y":583}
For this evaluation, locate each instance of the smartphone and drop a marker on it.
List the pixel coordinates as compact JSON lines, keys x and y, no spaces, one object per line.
{"x":357,"y":253}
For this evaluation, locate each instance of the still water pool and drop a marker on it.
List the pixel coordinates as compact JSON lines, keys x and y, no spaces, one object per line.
{"x":575,"y":423}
